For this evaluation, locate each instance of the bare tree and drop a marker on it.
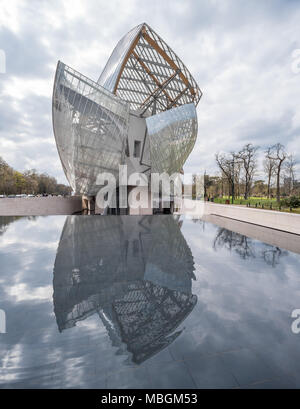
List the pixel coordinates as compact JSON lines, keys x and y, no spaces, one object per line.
{"x":226,"y":165}
{"x":278,"y":154}
{"x":269,"y":168}
{"x":207,"y":183}
{"x":290,"y":166}
{"x":238,"y":171}
{"x":248,"y":158}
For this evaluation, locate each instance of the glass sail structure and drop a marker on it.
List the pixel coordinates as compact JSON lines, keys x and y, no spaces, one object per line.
{"x":144,"y":71}
{"x":90,"y":126}
{"x":172,"y":135}
{"x":145,"y":98}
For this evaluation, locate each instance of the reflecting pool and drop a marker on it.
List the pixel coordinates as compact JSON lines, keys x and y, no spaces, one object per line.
{"x":145,"y":302}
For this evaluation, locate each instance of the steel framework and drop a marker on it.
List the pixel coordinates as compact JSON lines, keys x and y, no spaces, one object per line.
{"x":143,"y":79}
{"x":144,"y":71}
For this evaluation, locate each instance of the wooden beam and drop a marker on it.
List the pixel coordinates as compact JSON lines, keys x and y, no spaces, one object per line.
{"x":148,"y":71}
{"x":160,"y":88}
{"x":168,"y":59}
{"x":178,"y":97}
{"x":130,"y":50}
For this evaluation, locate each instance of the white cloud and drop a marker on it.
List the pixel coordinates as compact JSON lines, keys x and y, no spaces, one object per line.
{"x":21,"y":292}
{"x":240,"y":55}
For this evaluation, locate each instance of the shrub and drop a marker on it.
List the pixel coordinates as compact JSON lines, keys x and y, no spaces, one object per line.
{"x":292,"y":201}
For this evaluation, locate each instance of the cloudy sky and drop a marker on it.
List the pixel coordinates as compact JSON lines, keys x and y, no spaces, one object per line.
{"x":242,"y":54}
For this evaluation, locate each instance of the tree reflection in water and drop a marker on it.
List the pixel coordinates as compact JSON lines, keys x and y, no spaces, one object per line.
{"x":247,"y":248}
{"x":272,"y":254}
{"x":5,"y":222}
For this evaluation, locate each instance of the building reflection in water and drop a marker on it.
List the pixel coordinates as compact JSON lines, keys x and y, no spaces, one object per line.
{"x":135,"y":272}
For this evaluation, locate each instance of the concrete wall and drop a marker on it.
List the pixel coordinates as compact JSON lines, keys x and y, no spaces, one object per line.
{"x":136,"y":132}
{"x":282,"y":239}
{"x":269,"y":218}
{"x":40,"y":206}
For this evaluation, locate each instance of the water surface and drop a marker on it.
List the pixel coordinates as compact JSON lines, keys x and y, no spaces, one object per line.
{"x":144,"y":302}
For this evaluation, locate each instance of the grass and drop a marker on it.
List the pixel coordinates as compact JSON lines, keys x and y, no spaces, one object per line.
{"x":259,"y":203}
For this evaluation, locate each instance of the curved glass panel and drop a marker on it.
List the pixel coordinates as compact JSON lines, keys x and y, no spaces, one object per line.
{"x":90,"y":127}
{"x":172,"y":135}
{"x":144,"y":71}
{"x":134,"y":272}
{"x":111,"y":71}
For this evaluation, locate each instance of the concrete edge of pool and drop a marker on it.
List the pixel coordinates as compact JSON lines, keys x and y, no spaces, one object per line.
{"x":44,"y":206}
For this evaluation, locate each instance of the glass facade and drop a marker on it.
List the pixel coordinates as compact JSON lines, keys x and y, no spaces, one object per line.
{"x":110,"y":73}
{"x":90,"y":126}
{"x":143,"y":78}
{"x":146,"y":72}
{"x":172,"y":135}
